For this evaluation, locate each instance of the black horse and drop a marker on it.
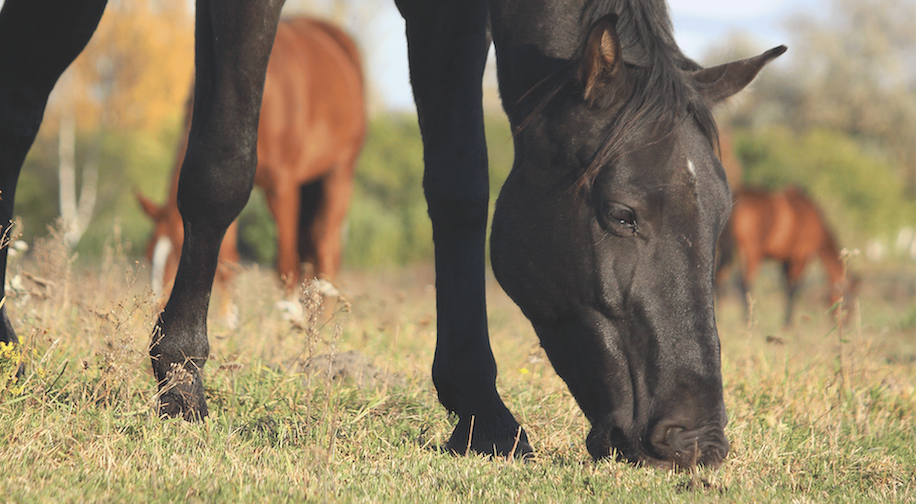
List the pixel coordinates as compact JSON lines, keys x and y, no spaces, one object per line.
{"x":604,"y":232}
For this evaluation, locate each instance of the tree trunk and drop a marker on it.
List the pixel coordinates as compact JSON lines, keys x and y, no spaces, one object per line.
{"x":76,"y":215}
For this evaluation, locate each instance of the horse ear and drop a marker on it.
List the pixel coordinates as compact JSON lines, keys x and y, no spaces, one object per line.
{"x":151,"y":209}
{"x":601,"y":61}
{"x":720,"y":82}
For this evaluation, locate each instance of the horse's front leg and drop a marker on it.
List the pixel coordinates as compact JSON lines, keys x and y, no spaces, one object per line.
{"x":447,"y":47}
{"x":284,"y":203}
{"x":233,"y":44}
{"x":327,"y":235}
{"x":792,"y":272}
{"x":38,"y":41}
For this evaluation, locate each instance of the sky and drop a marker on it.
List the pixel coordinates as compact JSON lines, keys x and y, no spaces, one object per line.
{"x":698,"y":25}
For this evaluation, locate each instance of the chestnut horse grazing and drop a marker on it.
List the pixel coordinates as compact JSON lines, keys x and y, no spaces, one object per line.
{"x":788,"y":227}
{"x":311,"y":129}
{"x":604,"y":232}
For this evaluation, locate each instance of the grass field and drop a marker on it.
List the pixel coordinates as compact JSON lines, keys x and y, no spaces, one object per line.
{"x":816,"y":414}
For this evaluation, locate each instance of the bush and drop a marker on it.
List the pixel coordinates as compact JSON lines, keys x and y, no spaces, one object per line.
{"x":387,"y":225}
{"x":127,"y":161}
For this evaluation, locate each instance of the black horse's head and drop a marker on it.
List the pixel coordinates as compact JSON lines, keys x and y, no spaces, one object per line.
{"x":605,"y":236}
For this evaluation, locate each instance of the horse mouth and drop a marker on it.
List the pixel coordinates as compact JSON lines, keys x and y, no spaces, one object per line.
{"x":685,"y":449}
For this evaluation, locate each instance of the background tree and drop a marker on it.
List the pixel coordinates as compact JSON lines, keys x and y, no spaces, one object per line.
{"x":132,"y":77}
{"x":839,"y":116}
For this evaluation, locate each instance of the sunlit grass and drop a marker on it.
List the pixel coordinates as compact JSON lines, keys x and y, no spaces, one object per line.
{"x":816,"y":414}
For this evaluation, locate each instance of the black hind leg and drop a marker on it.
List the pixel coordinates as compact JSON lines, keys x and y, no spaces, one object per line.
{"x":233,"y":44}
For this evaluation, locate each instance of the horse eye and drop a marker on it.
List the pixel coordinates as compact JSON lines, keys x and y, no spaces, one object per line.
{"x":619,"y":218}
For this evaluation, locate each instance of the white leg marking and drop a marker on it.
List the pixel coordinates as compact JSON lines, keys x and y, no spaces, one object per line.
{"x":160,"y":255}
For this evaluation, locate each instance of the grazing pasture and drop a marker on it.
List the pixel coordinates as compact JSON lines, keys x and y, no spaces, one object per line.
{"x":815,"y":414}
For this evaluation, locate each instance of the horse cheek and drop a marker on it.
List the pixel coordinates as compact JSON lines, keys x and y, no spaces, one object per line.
{"x":537,"y":249}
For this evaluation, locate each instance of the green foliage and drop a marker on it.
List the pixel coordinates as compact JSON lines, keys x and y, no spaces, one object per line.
{"x":128,"y":161}
{"x":387,"y":222}
{"x":908,"y":319}
{"x":10,"y":360}
{"x":859,"y":192}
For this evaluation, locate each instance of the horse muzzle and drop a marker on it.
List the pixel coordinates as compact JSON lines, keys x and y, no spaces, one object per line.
{"x":668,"y":446}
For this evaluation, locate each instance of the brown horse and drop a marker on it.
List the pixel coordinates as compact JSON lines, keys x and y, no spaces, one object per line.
{"x":788,"y":227}
{"x":311,"y":128}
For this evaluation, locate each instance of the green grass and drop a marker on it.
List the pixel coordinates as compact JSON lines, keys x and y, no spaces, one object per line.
{"x":816,"y":414}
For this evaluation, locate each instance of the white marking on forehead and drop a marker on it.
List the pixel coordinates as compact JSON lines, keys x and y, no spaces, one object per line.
{"x":691,"y":168}
{"x":160,"y":255}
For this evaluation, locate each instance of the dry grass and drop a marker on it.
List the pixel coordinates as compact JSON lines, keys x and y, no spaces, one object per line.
{"x":817,"y":415}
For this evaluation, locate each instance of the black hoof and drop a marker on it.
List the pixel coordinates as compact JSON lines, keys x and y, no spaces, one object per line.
{"x":501,"y":441}
{"x":181,"y":395}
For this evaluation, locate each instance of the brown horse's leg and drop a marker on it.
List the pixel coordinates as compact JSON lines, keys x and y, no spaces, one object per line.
{"x":283,"y":201}
{"x":226,"y":269}
{"x":310,"y":196}
{"x":750,"y":263}
{"x":329,"y":220}
{"x":447,"y":47}
{"x":38,"y":41}
{"x":233,"y":43}
{"x":792,"y":273}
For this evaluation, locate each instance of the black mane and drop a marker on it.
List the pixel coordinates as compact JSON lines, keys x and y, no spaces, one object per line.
{"x":658,"y":73}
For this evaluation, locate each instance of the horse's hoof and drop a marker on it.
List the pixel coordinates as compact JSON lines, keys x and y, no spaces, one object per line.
{"x":289,"y":310}
{"x":327,"y":289}
{"x":179,"y":404}
{"x":504,"y":444}
{"x":181,"y":395}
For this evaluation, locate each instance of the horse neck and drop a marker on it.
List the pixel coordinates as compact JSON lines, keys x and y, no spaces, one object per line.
{"x":830,"y":256}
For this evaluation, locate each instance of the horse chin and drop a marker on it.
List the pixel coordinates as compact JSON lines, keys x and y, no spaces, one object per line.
{"x":669,"y":447}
